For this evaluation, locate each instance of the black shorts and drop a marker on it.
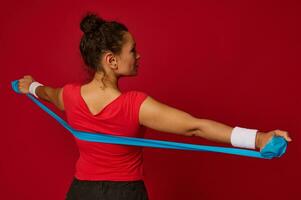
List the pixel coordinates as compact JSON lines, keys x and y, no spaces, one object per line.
{"x":107,"y":190}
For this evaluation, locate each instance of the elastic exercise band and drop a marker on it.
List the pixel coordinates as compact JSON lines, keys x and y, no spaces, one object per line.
{"x":276,"y":147}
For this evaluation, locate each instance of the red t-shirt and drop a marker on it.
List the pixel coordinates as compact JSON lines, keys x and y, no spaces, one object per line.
{"x":100,"y":161}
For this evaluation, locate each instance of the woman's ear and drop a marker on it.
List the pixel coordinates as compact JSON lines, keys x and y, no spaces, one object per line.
{"x":111,"y":60}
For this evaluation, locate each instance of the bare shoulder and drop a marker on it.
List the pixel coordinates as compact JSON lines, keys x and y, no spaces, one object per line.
{"x":162,"y":117}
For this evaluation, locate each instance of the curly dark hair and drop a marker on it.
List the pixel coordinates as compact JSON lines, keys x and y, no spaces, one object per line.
{"x":100,"y":36}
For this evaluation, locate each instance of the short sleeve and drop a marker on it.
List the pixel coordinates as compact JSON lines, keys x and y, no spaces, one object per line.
{"x":138,"y":97}
{"x":69,"y":96}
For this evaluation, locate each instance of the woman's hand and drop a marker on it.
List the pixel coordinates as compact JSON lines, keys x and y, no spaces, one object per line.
{"x":263,"y":138}
{"x":24,"y":84}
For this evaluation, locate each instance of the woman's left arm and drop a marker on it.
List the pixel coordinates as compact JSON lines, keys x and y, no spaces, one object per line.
{"x":49,"y":94}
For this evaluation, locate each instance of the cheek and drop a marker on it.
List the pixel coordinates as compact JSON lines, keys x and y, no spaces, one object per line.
{"x":132,"y":60}
{"x":129,"y":61}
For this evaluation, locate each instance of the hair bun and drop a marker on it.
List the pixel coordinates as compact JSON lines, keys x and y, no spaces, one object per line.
{"x":90,"y":23}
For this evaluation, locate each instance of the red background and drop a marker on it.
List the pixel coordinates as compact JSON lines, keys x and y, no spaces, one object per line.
{"x":236,"y":62}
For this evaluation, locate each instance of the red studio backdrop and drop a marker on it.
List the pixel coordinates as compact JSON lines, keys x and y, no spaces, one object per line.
{"x":235,"y":62}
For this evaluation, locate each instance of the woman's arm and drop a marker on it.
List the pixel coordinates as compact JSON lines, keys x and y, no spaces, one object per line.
{"x":218,"y":132}
{"x":161,"y":117}
{"x":46,"y":93}
{"x":52,"y":95}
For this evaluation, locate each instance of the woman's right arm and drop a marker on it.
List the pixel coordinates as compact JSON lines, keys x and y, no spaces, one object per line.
{"x":49,"y":94}
{"x":161,"y":117}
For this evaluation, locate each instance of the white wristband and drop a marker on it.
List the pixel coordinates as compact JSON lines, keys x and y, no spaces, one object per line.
{"x":33,"y":86}
{"x":243,"y":137}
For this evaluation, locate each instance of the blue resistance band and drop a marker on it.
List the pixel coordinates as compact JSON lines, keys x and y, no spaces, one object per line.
{"x":276,"y":147}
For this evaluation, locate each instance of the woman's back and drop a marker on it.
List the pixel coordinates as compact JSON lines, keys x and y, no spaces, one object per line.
{"x":97,"y":99}
{"x":117,"y":114}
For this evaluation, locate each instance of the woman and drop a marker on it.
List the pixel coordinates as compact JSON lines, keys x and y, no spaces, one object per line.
{"x":108,"y":171}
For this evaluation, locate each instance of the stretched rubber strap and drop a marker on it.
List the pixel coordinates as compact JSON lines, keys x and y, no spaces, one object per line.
{"x":276,"y":147}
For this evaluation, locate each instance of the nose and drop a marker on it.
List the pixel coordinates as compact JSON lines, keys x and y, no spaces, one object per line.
{"x":137,"y":56}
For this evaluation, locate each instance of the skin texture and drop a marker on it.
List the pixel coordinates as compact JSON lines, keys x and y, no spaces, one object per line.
{"x":153,"y":114}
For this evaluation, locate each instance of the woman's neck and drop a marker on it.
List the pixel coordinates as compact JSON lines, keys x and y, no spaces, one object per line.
{"x":108,"y":82}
